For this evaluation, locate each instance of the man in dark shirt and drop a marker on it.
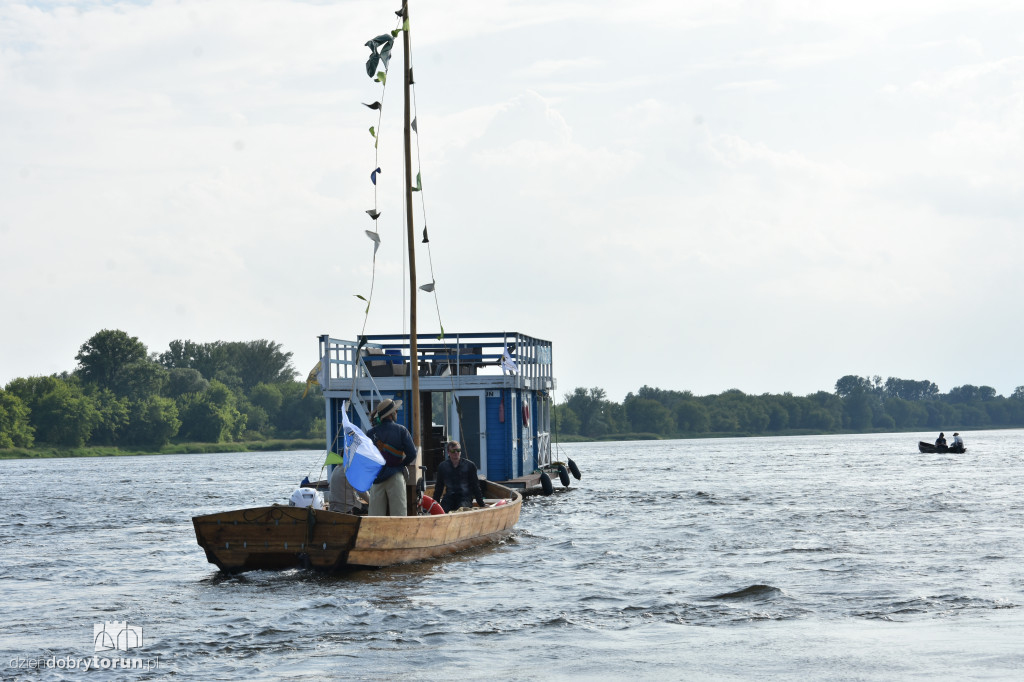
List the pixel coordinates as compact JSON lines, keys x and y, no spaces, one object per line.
{"x":387,"y":496}
{"x":458,"y":477}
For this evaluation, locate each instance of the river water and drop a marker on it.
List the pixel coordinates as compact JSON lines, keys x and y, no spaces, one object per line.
{"x":839,"y":557}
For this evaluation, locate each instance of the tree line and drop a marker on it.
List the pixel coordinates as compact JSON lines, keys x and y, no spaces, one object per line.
{"x":859,"y":404}
{"x":122,"y":395}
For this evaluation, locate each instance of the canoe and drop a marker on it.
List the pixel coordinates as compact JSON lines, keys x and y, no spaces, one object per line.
{"x":280,"y":537}
{"x":932,"y":448}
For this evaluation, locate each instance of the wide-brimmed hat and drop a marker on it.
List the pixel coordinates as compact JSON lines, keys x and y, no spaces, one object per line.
{"x":386,"y":408}
{"x":956,"y":434}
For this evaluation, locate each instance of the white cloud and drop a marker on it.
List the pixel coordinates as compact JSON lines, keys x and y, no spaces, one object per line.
{"x":720,"y":182}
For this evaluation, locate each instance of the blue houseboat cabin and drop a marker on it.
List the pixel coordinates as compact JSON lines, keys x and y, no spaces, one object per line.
{"x":489,"y":391}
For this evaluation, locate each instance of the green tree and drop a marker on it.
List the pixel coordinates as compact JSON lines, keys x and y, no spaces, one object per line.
{"x":213,"y":416}
{"x":114,"y":414}
{"x":15,"y":428}
{"x":692,"y":417}
{"x":590,"y":406}
{"x":59,"y":411}
{"x":238,"y":364}
{"x":184,"y":380}
{"x":564,"y":421}
{"x":648,"y":416}
{"x":298,"y":416}
{"x":153,"y":422}
{"x":102,"y":357}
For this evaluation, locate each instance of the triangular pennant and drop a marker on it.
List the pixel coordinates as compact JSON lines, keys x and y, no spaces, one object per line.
{"x":419,"y":185}
{"x":428,"y":287}
{"x":373,"y":175}
{"x":382,"y":78}
{"x":375,"y":105}
{"x":375,"y":238}
{"x":373,"y":213}
{"x":426,"y":240}
{"x":413,"y":126}
{"x":373,"y":132}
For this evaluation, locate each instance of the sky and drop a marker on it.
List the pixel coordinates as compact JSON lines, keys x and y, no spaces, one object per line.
{"x":699,"y":196}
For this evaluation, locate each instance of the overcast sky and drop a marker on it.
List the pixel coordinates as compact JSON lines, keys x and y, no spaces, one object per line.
{"x":689,"y":195}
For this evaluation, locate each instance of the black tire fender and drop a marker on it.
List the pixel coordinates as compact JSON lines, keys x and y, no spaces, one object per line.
{"x":545,"y":483}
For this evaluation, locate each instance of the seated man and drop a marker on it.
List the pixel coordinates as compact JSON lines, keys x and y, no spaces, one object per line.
{"x":458,"y":477}
{"x":958,"y":442}
{"x":342,"y":495}
{"x":940,"y":442}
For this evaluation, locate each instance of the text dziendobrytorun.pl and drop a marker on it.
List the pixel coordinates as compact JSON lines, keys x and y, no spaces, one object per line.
{"x":84,"y":663}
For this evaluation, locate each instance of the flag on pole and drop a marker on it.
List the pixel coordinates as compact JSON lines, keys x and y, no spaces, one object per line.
{"x":319,"y":374}
{"x":507,"y":363}
{"x":362,"y":460}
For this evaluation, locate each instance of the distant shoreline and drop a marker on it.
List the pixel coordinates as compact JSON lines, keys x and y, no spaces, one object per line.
{"x":175,"y":449}
{"x":317,"y":444}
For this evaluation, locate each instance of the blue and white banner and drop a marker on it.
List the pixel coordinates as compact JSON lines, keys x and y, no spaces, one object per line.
{"x":362,"y":461}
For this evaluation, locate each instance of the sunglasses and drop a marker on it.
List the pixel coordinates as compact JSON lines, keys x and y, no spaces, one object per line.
{"x":454,"y":450}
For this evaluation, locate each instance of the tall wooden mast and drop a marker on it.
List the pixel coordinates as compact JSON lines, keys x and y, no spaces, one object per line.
{"x":411,"y":239}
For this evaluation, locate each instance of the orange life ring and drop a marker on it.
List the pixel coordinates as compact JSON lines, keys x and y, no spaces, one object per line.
{"x":429,"y":504}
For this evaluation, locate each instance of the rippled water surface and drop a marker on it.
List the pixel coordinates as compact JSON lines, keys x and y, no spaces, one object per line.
{"x":805,"y":557}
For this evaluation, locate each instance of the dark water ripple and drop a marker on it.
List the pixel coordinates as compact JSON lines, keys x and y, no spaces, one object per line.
{"x":837,"y":557}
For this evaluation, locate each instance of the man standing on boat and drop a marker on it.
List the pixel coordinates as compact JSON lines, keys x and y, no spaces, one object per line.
{"x":459,"y":477}
{"x":387,"y":496}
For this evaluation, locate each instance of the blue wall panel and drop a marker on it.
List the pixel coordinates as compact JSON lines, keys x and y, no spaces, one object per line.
{"x":499,"y":465}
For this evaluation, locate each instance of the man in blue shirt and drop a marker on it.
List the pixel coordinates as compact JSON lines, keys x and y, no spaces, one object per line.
{"x":387,"y":496}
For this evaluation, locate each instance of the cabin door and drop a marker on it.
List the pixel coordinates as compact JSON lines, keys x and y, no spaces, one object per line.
{"x":469,"y":422}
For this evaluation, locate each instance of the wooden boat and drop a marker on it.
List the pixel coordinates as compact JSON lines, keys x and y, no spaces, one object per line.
{"x":493,"y":388}
{"x":281,"y":537}
{"x":931,"y":447}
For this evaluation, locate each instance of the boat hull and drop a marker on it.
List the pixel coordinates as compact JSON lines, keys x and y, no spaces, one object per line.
{"x":278,"y":537}
{"x":930,"y":447}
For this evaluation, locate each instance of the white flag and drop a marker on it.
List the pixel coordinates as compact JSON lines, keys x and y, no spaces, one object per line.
{"x":507,"y":363}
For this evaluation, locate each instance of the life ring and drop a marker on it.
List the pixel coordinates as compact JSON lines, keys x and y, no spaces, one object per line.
{"x":427,"y":503}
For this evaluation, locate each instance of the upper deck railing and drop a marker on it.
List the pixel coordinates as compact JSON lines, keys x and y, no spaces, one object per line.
{"x":468,"y":359}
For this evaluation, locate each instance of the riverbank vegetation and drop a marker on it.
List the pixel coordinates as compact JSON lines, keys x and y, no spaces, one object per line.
{"x":858,"y":405}
{"x":241,"y":396}
{"x":193,"y":397}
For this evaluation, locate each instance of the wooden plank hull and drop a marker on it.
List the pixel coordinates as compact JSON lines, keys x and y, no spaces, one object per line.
{"x":276,"y":538}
